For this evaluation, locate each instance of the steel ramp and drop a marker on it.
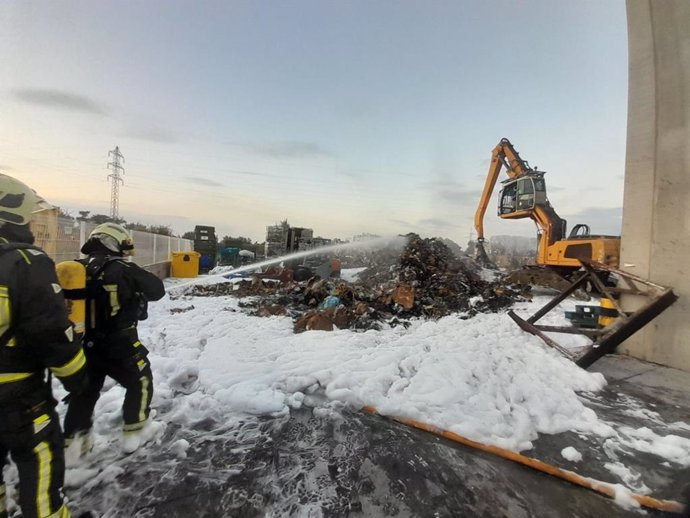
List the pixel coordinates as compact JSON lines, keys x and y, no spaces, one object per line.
{"x":606,"y":339}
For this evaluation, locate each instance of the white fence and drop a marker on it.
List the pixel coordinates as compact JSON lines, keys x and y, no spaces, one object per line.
{"x":62,"y":238}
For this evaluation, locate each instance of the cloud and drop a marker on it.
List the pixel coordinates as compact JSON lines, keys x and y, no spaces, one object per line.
{"x":287,"y":149}
{"x":603,"y":221}
{"x":202,"y":181}
{"x":438,"y":223}
{"x":400,"y":222}
{"x":227,"y":174}
{"x":151,"y":133}
{"x":59,"y":99}
{"x":366,"y":174}
{"x":254,"y":173}
{"x":348,"y":174}
{"x":454,"y":192}
{"x":460,"y":196}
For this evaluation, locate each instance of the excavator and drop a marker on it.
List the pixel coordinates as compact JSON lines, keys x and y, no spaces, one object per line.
{"x":523,"y":195}
{"x":559,"y":256}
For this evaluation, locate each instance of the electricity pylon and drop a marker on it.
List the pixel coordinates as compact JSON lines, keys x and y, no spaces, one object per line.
{"x":117,"y":169}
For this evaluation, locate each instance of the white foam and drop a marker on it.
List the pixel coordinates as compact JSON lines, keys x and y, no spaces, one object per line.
{"x":571,"y":454}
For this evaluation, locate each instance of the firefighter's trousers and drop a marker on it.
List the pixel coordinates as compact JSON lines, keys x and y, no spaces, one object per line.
{"x":37,"y":448}
{"x":133,"y":373}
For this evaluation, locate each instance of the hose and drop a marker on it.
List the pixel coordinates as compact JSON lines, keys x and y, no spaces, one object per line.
{"x":603,"y":488}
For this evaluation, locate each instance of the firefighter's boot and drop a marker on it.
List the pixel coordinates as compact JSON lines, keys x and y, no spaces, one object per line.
{"x":132,"y":440}
{"x":77,"y":448}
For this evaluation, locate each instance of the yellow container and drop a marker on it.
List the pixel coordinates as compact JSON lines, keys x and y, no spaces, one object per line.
{"x":607,"y":312}
{"x":185,"y":264}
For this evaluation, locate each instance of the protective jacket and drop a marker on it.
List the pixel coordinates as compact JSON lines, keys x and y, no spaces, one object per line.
{"x":35,"y":332}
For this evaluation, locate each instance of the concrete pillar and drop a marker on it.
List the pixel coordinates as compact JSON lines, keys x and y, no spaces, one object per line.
{"x":656,"y":206}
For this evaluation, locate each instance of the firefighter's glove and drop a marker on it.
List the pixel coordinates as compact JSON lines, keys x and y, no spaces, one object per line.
{"x":76,"y":384}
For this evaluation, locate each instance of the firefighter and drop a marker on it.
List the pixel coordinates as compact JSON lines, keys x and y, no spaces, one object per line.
{"x":35,"y":334}
{"x":117,"y":293}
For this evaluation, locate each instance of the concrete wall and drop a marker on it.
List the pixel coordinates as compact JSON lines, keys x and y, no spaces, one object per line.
{"x":160,"y":270}
{"x":656,"y":208}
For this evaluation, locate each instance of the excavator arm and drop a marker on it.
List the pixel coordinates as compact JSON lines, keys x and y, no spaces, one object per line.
{"x":503,"y":155}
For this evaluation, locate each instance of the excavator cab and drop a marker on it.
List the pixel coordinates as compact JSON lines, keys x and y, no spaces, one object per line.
{"x":520,"y":196}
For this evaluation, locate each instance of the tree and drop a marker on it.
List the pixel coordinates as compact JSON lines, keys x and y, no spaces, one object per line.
{"x":258,"y":248}
{"x":236,"y":242}
{"x":84,"y":215}
{"x":62,"y":213}
{"x":99,"y":219}
{"x":137,"y":226}
{"x":163,"y":230}
{"x":189,"y":235}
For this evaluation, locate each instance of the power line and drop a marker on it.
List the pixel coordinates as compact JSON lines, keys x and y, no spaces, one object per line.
{"x":116,"y":180}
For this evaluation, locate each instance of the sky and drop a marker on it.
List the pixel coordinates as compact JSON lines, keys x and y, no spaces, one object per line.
{"x":344,"y":117}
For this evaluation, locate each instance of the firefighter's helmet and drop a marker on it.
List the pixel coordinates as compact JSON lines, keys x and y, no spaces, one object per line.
{"x":17,"y":201}
{"x":114,"y":237}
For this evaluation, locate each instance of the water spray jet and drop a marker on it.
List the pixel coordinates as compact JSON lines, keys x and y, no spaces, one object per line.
{"x":376,"y":243}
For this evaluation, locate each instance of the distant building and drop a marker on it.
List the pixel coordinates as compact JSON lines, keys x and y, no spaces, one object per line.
{"x":282,"y":239}
{"x":276,"y":239}
{"x":364,"y":237}
{"x":315,"y":242}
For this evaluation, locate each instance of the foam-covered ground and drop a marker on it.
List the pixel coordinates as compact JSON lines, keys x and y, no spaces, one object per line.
{"x":223,"y":378}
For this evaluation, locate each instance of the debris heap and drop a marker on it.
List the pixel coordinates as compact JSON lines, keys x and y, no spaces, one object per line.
{"x":424,"y":280}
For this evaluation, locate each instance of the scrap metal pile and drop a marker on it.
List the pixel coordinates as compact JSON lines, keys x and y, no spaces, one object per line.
{"x":425,"y":280}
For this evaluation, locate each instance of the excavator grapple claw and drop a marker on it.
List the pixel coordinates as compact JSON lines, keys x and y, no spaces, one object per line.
{"x":482,"y":257}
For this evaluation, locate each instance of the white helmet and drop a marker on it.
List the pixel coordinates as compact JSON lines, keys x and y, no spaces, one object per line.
{"x":18,"y":201}
{"x":114,"y":237}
